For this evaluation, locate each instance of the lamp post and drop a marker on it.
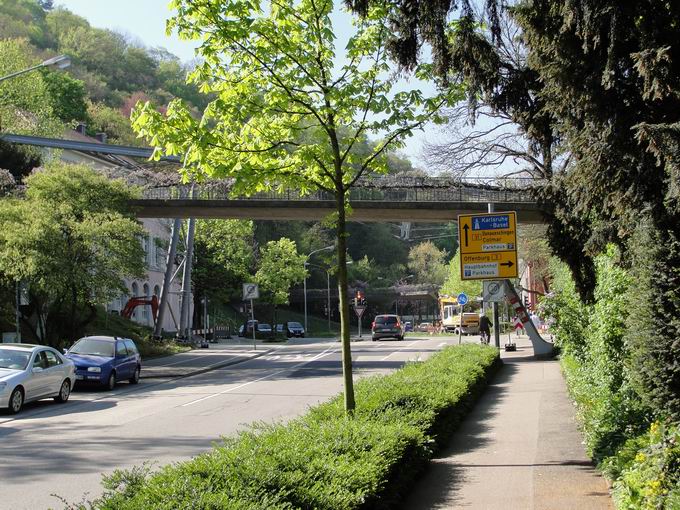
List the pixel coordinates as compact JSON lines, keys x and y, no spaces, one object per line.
{"x":304,"y":285}
{"x":60,"y":62}
{"x":396,"y":300}
{"x":328,"y":290}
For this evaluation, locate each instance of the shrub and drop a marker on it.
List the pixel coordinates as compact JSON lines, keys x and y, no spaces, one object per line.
{"x":323,"y":460}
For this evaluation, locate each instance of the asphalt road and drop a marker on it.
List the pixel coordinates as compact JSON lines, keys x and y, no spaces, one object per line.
{"x":63,"y":449}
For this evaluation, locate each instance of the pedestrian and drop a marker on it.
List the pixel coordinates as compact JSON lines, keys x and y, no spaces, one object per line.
{"x":484,"y":328}
{"x":517,"y":324}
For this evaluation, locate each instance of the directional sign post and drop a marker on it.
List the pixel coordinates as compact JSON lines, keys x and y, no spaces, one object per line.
{"x":488,"y":245}
{"x":462,"y":301}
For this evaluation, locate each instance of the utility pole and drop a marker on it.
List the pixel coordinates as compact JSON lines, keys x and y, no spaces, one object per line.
{"x":494,"y":305}
{"x":184,"y":321}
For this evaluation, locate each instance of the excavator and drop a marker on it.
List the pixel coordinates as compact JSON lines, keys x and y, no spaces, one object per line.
{"x":136,"y":301}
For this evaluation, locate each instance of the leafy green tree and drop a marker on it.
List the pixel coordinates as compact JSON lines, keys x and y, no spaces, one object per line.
{"x":72,"y":239}
{"x":428,"y":263}
{"x":26,"y":106}
{"x":23,"y":19}
{"x":280,"y":267}
{"x":454,"y":285}
{"x":223,"y":257}
{"x":290,"y":109}
{"x":68,"y":96}
{"x":102,"y":118}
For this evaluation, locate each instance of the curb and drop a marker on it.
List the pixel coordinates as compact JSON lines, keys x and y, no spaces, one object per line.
{"x":206,"y":369}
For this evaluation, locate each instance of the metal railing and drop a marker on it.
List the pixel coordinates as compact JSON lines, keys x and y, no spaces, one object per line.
{"x":425,"y":190}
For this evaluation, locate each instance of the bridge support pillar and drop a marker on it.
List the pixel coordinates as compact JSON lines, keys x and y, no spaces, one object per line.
{"x":185,"y":315}
{"x":167,"y":278}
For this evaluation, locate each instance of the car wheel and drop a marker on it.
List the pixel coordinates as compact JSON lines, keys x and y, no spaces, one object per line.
{"x":374,"y":339}
{"x":64,"y":392}
{"x":16,"y":401}
{"x":111,"y":383}
{"x":135,"y":378}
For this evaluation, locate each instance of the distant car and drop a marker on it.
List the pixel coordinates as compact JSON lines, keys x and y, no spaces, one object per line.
{"x":247,"y":328}
{"x":264,"y":328}
{"x":387,"y":326}
{"x":408,"y":327}
{"x":424,"y":327}
{"x":31,"y":372}
{"x":294,"y":329}
{"x":106,"y":360}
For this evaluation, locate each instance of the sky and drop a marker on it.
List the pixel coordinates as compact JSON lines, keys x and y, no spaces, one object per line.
{"x":144,"y":20}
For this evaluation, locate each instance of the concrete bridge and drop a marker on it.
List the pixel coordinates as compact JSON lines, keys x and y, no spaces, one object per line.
{"x":381,"y":199}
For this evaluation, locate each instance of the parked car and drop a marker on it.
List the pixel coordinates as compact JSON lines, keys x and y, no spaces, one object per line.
{"x":264,"y":329}
{"x":106,"y":360}
{"x":31,"y":372}
{"x":387,"y":326}
{"x":294,"y":329}
{"x":424,"y":327}
{"x":247,"y":328}
{"x":408,"y":327}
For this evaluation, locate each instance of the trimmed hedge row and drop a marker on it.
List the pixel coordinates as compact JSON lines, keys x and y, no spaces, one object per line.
{"x":324,"y":460}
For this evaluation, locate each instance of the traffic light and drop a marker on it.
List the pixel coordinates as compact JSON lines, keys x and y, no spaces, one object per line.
{"x":359,"y":298}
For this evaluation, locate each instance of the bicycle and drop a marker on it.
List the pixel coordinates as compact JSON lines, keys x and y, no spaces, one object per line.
{"x":485,"y":337}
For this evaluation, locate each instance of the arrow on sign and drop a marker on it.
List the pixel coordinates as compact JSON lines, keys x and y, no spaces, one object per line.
{"x":466,"y":228}
{"x":508,"y":263}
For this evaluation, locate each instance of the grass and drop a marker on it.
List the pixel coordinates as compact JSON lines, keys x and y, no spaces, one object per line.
{"x":324,"y":459}
{"x":114,"y":325}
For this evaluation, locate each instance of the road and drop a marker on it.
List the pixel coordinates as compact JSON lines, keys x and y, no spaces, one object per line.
{"x":63,"y":449}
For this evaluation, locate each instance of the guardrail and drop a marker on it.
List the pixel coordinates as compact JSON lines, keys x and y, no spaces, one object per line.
{"x":378,"y":194}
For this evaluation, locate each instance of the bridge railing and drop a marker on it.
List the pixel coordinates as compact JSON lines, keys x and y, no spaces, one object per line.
{"x":387,"y":194}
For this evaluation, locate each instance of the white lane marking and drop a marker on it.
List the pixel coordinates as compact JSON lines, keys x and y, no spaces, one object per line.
{"x":318,"y":356}
{"x":400,"y":348}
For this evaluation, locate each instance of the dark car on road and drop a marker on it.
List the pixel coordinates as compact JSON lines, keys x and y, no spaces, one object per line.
{"x":105,"y":360}
{"x":387,"y":326}
{"x":294,"y":329}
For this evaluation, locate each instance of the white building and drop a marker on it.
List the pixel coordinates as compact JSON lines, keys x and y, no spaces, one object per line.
{"x":155,"y":243}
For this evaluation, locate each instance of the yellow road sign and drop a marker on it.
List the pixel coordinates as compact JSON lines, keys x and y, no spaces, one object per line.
{"x":488,"y":245}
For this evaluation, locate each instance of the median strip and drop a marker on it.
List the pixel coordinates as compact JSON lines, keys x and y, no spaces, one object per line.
{"x":324,"y":459}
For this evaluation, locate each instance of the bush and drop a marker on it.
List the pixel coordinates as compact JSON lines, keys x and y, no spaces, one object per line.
{"x":323,"y":460}
{"x":647,"y":470}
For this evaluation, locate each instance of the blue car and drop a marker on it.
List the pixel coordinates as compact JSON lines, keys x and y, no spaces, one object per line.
{"x":105,"y":360}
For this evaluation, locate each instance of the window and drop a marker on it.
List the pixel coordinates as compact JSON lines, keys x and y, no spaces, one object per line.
{"x":132,"y":349}
{"x":157,"y":291}
{"x":52,"y":359}
{"x":135,"y":293}
{"x":145,"y":308}
{"x":40,"y":360}
{"x":120,"y":349}
{"x":160,"y":256}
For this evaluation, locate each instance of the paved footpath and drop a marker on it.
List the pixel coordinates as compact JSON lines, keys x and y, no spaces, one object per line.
{"x":519,"y":448}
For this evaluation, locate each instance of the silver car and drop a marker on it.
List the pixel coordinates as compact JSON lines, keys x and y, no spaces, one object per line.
{"x":31,"y":372}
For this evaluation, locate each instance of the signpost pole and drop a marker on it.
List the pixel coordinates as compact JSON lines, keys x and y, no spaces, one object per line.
{"x":460,"y":325}
{"x":360,"y":325}
{"x":494,"y":305}
{"x":252,"y":317}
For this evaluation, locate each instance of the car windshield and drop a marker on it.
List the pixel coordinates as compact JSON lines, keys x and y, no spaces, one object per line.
{"x":264,"y":326}
{"x":13,"y":359}
{"x":294,"y":325}
{"x":385,"y":319}
{"x":93,"y":347}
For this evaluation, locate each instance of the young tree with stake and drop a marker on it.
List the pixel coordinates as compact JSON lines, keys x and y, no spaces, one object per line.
{"x":289,"y":110}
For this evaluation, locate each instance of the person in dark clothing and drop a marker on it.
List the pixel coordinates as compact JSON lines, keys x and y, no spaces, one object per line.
{"x":484,"y":328}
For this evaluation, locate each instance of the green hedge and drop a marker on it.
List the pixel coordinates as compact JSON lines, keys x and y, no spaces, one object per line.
{"x":324,"y":460}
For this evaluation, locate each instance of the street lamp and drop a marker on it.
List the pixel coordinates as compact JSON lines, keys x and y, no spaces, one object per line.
{"x":59,"y":62}
{"x":401,"y":281}
{"x":304,"y":288}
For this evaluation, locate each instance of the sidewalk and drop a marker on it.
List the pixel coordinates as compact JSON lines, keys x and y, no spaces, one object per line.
{"x":198,"y":361}
{"x":519,"y":448}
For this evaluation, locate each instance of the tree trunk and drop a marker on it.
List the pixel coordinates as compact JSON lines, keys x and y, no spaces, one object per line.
{"x":344,"y":306}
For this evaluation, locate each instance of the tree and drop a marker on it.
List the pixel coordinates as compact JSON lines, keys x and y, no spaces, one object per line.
{"x":281,"y":267}
{"x":454,"y":285}
{"x":72,"y":239}
{"x":25,"y":106}
{"x":68,"y":96}
{"x":223,"y":258}
{"x":428,"y":263}
{"x":290,"y":111}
